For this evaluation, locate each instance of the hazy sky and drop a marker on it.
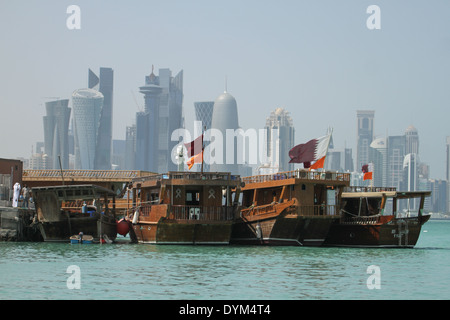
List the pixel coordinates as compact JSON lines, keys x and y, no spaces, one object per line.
{"x":316,"y":59}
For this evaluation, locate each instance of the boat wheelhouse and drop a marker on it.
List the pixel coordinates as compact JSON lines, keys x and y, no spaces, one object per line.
{"x":379,"y":217}
{"x":184,"y":208}
{"x":289,"y":208}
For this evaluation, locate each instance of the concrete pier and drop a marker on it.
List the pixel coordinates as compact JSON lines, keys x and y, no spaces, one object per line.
{"x":17,"y":224}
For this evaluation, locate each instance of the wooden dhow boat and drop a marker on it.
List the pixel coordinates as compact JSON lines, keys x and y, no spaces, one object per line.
{"x":371,"y":217}
{"x":289,"y":208}
{"x":184,"y":208}
{"x":64,"y":211}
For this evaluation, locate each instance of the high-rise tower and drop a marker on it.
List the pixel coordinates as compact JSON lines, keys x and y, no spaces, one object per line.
{"x":447,"y":171}
{"x":87,"y":107}
{"x":364,"y":136}
{"x":105,"y":85}
{"x":378,"y":155}
{"x":412,"y":140}
{"x":396,"y":154}
{"x":56,"y":128}
{"x":204,"y":112}
{"x":280,"y":135}
{"x":225,"y":117}
{"x":162,"y":115}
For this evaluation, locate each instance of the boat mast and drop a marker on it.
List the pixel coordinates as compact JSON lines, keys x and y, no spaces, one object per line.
{"x":372,"y":169}
{"x":60,"y":168}
{"x":180,"y":159}
{"x":330,"y":130}
{"x":203,"y":145}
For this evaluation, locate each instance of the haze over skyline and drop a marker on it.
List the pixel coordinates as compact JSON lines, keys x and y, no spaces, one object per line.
{"x":316,"y":59}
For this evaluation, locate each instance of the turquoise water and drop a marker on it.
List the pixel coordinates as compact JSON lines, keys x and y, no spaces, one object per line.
{"x":129,"y":271}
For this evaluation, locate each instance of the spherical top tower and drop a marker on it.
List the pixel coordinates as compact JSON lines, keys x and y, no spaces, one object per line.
{"x":225,"y":117}
{"x":225,"y":114}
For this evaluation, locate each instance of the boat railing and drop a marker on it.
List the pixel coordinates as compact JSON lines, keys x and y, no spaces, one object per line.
{"x":192,"y":176}
{"x":302,"y":210}
{"x":298,"y":174}
{"x":258,"y":210}
{"x":317,"y":210}
{"x":77,"y":205}
{"x":210,"y":213}
{"x":368,"y":189}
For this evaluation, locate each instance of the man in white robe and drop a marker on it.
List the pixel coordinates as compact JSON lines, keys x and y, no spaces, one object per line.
{"x":16,"y":194}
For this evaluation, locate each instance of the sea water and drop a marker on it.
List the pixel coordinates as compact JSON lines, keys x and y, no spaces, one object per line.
{"x":124,"y":271}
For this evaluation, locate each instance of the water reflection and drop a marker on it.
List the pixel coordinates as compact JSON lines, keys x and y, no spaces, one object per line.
{"x":132,"y":271}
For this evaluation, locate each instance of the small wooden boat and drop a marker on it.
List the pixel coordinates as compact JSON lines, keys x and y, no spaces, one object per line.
{"x":81,"y":239}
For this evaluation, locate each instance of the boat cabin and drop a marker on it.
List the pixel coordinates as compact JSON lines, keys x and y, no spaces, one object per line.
{"x":188,"y":196}
{"x":316,"y":193}
{"x":56,"y":202}
{"x":374,"y":201}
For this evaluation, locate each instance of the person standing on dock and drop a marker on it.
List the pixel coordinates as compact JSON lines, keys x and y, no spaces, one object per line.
{"x":16,"y":194}
{"x":26,"y":196}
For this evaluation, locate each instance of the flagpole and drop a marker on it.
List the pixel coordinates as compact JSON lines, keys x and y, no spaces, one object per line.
{"x":203,"y":146}
{"x":373,"y":175}
{"x":326,"y":153}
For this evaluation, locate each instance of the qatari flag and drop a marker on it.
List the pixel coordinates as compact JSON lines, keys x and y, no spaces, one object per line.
{"x":313,"y":150}
{"x":303,"y":152}
{"x":194,"y":147}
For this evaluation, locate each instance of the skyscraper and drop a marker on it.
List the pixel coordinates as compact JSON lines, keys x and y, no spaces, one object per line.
{"x":348,"y":160}
{"x":204,"y":112}
{"x":412,"y":140}
{"x":396,"y":154}
{"x":87,"y":106}
{"x":162,"y":115}
{"x":280,"y":135}
{"x":56,"y":128}
{"x":378,"y":156}
{"x":411,"y":177}
{"x":130,"y":147}
{"x":105,"y":85}
{"x":447,"y":172}
{"x":364,"y":136}
{"x":447,"y":166}
{"x":439,"y":191}
{"x":225,"y":117}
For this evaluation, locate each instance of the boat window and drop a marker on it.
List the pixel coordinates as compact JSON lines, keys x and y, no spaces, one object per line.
{"x":247,"y":198}
{"x":154,"y":197}
{"x":193,"y":197}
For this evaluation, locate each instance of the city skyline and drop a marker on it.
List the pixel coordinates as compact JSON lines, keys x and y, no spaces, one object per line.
{"x":318,"y":61}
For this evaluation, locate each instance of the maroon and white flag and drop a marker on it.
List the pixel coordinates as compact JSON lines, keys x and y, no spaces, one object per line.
{"x":194,"y":147}
{"x":314,"y":150}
